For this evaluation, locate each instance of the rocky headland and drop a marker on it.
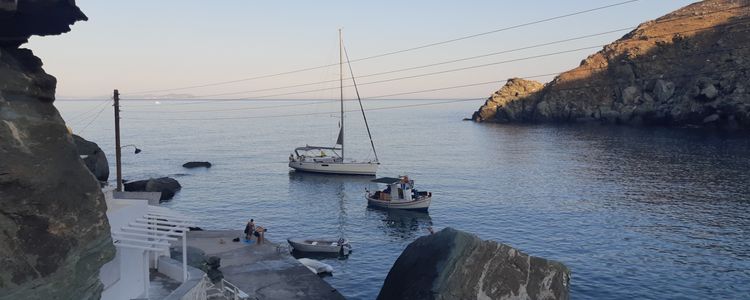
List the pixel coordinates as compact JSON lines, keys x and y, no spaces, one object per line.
{"x":453,"y":264}
{"x":689,"y":68}
{"x":54,"y":234}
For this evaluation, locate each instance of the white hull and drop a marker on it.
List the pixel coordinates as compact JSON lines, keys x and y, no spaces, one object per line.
{"x":421,"y":204}
{"x":316,"y":266}
{"x":321,"y":246}
{"x":347,"y":168}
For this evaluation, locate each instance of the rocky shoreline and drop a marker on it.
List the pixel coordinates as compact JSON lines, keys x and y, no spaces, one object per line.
{"x":689,"y":68}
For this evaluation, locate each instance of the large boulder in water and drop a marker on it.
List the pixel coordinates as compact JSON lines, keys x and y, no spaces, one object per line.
{"x":167,"y":186}
{"x":196,"y":164}
{"x":94,"y":157}
{"x":453,"y":264}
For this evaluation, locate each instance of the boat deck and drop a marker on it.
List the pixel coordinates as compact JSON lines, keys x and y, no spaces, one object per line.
{"x":261,"y":271}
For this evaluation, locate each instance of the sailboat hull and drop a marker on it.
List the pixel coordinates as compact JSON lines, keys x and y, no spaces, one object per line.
{"x":346,"y":168}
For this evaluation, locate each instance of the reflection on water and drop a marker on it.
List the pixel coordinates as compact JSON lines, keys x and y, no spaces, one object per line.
{"x":402,"y":224}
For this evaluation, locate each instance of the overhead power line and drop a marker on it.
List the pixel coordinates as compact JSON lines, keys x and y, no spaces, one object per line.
{"x":450,"y":70}
{"x":420,"y":104}
{"x":93,"y":119}
{"x":85,"y":113}
{"x":438,"y":89}
{"x":394,"y":52}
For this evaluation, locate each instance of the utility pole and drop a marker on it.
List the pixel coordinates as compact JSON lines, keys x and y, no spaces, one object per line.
{"x":118,"y":155}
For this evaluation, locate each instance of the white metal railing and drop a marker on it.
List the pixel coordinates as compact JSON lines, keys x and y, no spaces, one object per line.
{"x":232,"y":292}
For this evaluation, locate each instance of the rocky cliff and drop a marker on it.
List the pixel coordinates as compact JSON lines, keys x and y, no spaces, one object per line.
{"x":54,"y":234}
{"x":688,"y":68}
{"x":452,"y":264}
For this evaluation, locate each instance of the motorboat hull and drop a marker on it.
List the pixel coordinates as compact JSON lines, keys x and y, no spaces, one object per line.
{"x":421,"y":204}
{"x":320,"y":246}
{"x":345,"y":168}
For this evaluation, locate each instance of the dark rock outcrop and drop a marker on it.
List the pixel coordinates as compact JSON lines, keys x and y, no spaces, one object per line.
{"x":452,"y":264}
{"x":94,"y":157}
{"x":36,"y":17}
{"x":165,"y":185}
{"x":197,"y":164}
{"x":687,"y":68}
{"x":54,"y":234}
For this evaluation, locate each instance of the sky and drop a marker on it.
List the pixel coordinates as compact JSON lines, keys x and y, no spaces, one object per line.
{"x":148,"y":48}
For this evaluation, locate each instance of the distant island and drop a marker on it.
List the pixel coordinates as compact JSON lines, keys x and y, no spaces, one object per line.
{"x":689,"y":68}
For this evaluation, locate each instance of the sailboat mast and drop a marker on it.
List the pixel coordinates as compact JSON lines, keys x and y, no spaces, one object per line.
{"x":341,"y":90}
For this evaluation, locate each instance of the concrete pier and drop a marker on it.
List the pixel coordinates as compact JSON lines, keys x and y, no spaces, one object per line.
{"x":262,"y":271}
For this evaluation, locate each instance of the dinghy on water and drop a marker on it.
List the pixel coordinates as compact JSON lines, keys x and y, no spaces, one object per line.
{"x":330,"y":160}
{"x":340,"y":246}
{"x":399,"y":194}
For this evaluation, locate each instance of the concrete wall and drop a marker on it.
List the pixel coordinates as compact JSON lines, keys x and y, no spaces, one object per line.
{"x":126,"y":276}
{"x":193,"y":289}
{"x":152,"y":197}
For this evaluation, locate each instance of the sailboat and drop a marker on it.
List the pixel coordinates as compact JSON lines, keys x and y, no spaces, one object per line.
{"x":331,"y":160}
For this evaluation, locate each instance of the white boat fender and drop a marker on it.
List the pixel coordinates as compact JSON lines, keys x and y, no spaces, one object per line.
{"x":316,"y":266}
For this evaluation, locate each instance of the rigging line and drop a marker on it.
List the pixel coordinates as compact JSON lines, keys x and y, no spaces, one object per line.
{"x":397,"y":51}
{"x":316,"y":90}
{"x":346,"y":53}
{"x":468,"y":85}
{"x":92,"y":120}
{"x":428,"y":65}
{"x":96,"y":106}
{"x":440,"y":102}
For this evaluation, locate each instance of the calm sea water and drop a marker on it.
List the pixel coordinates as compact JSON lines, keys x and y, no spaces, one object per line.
{"x":634,"y":213}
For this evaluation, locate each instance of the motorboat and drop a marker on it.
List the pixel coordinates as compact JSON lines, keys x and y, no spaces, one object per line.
{"x":316,"y":266}
{"x":398,"y":194}
{"x":340,"y":246}
{"x":331,"y":160}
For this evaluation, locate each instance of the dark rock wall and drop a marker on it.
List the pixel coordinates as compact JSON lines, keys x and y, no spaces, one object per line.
{"x":687,"y":68}
{"x":54,"y":234}
{"x":452,"y":264}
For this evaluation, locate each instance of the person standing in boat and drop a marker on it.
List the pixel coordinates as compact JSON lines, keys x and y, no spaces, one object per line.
{"x":249,"y":230}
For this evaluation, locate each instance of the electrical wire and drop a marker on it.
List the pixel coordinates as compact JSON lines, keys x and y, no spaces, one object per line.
{"x":457,"y":86}
{"x":429,"y":103}
{"x":96,"y":106}
{"x":444,"y":71}
{"x":92,"y":120}
{"x":397,"y":51}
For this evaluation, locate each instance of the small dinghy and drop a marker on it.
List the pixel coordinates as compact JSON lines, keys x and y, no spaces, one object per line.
{"x":340,"y":246}
{"x":316,"y":266}
{"x":399,"y":194}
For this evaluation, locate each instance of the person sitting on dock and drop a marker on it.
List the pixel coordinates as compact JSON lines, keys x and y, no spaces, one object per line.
{"x":249,"y":229}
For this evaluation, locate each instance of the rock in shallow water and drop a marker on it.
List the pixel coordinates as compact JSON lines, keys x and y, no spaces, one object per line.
{"x":165,"y":185}
{"x":453,"y":264}
{"x":197,"y":164}
{"x":95,"y":159}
